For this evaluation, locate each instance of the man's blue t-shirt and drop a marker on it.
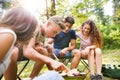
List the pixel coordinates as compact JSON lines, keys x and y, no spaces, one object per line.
{"x":62,"y":39}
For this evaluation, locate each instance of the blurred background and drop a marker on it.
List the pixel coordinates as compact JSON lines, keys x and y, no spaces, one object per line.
{"x":106,"y":14}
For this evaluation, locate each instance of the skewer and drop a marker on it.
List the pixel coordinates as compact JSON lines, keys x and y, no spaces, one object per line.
{"x":55,"y":57}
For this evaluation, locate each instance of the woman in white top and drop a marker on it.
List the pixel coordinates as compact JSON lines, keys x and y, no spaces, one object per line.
{"x":17,"y":25}
{"x":20,"y":23}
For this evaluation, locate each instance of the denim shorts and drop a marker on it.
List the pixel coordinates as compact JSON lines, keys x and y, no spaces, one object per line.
{"x":57,"y":51}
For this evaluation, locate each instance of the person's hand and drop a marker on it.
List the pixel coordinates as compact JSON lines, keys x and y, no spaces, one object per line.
{"x":41,"y":50}
{"x":39,"y":47}
{"x":87,"y":50}
{"x":58,"y":66}
{"x":50,"y":49}
{"x":79,"y":28}
{"x":63,"y":52}
{"x":92,"y":47}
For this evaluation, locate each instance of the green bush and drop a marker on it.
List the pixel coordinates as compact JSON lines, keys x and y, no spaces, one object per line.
{"x":111,"y":36}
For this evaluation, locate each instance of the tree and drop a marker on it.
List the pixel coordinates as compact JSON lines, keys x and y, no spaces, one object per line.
{"x":52,"y":9}
{"x":116,"y":6}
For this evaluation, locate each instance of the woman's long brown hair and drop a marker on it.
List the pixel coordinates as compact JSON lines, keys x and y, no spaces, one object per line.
{"x":95,"y":35}
{"x":22,"y":22}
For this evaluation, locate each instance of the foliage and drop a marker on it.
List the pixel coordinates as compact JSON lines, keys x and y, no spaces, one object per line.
{"x":6,"y":5}
{"x":78,"y":11}
{"x":116,"y":6}
{"x":111,"y":36}
{"x":52,"y":10}
{"x":61,"y":8}
{"x":81,"y":10}
{"x":85,"y":9}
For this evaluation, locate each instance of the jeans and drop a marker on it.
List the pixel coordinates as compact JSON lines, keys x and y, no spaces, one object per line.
{"x":57,"y":51}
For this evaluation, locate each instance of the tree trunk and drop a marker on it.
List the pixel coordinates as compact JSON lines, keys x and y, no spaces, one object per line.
{"x":52,"y":10}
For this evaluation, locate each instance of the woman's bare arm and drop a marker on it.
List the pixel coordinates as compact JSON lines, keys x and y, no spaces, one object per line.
{"x":32,"y":54}
{"x":6,"y":40}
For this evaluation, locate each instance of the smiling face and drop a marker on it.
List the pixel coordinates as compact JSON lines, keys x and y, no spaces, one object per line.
{"x":86,"y":30}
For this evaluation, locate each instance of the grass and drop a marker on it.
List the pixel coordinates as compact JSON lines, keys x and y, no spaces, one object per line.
{"x":109,"y":57}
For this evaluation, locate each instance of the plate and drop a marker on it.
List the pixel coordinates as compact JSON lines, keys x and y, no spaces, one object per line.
{"x":82,"y":73}
{"x":73,"y":74}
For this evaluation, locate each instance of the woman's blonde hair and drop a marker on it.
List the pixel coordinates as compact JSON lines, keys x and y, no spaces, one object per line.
{"x":58,"y":20}
{"x":22,"y":22}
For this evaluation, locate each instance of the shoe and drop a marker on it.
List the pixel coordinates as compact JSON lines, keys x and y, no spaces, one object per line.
{"x":93,"y":77}
{"x":99,"y":77}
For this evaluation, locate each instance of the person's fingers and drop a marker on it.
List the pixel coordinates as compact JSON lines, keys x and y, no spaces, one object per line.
{"x":57,"y":69}
{"x":60,"y":54}
{"x":61,"y":67}
{"x":64,"y":68}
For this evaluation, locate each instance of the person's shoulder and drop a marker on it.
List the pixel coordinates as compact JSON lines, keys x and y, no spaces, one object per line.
{"x":61,"y":33}
{"x":8,"y":32}
{"x":73,"y":34}
{"x":7,"y":36}
{"x":10,"y":35}
{"x":79,"y":34}
{"x":72,"y":31}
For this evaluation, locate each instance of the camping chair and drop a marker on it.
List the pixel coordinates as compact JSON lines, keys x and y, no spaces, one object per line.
{"x":21,"y":58}
{"x":85,"y":67}
{"x":25,"y":65}
{"x":83,"y":61}
{"x":19,"y":73}
{"x":65,"y":60}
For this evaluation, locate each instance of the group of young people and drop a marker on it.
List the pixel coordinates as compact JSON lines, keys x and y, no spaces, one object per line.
{"x":22,"y":35}
{"x":90,"y":45}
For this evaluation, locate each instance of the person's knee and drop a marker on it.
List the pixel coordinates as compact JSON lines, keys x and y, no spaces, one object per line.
{"x":98,"y":52}
{"x":76,"y":53}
